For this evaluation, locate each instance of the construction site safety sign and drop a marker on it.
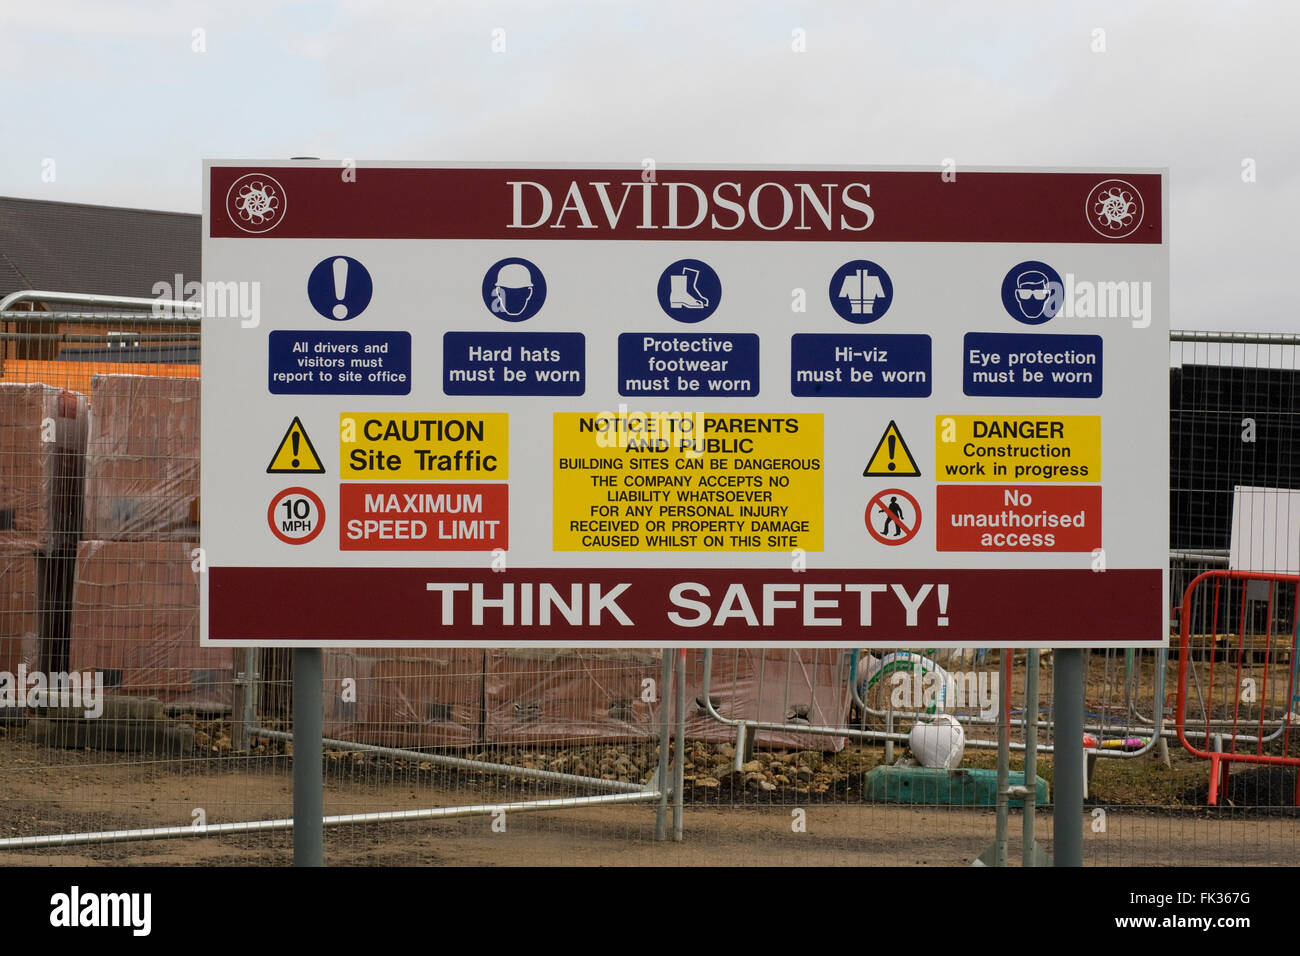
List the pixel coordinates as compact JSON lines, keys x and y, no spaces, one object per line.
{"x":602,"y":406}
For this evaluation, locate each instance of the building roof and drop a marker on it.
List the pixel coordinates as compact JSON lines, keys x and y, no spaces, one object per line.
{"x":106,"y":250}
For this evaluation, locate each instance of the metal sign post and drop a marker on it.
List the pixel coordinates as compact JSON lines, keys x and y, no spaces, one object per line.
{"x":1067,"y":763}
{"x":1032,"y":855}
{"x":308,"y":760}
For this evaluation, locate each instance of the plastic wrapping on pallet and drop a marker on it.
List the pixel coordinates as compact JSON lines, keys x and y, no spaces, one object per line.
{"x":20,"y":611}
{"x":409,"y":697}
{"x":772,"y":685}
{"x":142,"y":459}
{"x":540,"y":695}
{"x":42,"y":448}
{"x":135,"y":616}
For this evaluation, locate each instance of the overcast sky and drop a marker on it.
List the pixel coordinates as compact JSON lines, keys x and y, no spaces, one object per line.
{"x":115,"y":95}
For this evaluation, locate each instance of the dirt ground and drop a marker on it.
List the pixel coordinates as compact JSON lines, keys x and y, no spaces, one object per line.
{"x":1141,"y":812}
{"x":43,"y":791}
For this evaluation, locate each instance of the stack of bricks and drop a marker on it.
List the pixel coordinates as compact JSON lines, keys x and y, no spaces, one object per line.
{"x":136,"y":594}
{"x":42,"y":447}
{"x":540,"y":697}
{"x":405,"y":697}
{"x":774,"y":686}
{"x":20,"y":611}
{"x":413,"y":697}
{"x":142,"y":459}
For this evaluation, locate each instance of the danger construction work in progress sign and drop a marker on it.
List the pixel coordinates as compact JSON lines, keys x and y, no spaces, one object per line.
{"x":591,"y":406}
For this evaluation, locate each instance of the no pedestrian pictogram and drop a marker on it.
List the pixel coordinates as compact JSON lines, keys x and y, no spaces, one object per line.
{"x":891,"y":520}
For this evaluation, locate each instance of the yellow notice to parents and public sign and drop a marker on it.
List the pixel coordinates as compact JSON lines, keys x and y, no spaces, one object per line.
{"x":1064,"y":448}
{"x":432,"y":446}
{"x":683,"y":481}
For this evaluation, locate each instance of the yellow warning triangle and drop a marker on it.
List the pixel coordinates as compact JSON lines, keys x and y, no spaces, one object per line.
{"x":891,"y":459}
{"x":296,"y":454}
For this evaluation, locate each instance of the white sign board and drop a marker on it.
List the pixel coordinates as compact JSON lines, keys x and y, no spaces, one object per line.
{"x":574,"y":406}
{"x":1265,"y":530}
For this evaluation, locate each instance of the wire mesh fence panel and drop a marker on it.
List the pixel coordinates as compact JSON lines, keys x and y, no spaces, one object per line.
{"x":791,"y":756}
{"x":479,"y":727}
{"x":113,"y":714}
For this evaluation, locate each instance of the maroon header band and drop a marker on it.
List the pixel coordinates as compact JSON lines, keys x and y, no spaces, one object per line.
{"x":673,"y":606}
{"x":300,"y":202}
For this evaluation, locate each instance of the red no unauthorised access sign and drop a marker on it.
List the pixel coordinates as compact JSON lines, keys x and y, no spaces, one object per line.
{"x":296,"y":515}
{"x":886,"y":514}
{"x":1017,"y":518}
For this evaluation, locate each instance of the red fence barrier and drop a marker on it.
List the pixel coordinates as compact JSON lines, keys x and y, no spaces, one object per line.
{"x":1237,"y":668}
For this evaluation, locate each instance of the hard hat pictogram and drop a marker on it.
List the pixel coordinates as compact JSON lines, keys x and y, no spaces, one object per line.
{"x":514,"y":289}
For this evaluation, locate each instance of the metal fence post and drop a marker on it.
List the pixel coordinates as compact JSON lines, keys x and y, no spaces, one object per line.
{"x":1031,"y":758}
{"x":308,"y":762}
{"x":665,"y":703}
{"x":244,"y":710}
{"x":1067,"y":763}
{"x":889,"y":729}
{"x":1162,"y":745}
{"x":1004,"y":761}
{"x":679,"y":782}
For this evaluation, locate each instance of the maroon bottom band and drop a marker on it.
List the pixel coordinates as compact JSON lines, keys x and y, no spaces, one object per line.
{"x":672,"y":607}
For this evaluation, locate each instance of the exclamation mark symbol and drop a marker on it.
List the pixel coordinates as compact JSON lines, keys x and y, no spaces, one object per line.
{"x":296,"y":438}
{"x":340,"y":293}
{"x":943,"y":606}
{"x":892,"y":442}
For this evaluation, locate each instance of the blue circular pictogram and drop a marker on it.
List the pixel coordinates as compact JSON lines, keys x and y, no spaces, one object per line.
{"x":514,"y":289}
{"x":689,"y":290}
{"x":339,"y":288}
{"x":861,"y":291}
{"x":1032,"y":292}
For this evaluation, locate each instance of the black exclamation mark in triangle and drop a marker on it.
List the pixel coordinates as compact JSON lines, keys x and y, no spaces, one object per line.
{"x":892,"y":442}
{"x":296,"y":438}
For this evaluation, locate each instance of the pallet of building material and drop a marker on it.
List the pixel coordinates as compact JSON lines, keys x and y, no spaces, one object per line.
{"x":42,"y":460}
{"x":542,"y":696}
{"x":775,"y":686}
{"x":20,"y":614}
{"x":408,"y":698}
{"x":142,"y":459}
{"x":135,"y":617}
{"x":137,"y":725}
